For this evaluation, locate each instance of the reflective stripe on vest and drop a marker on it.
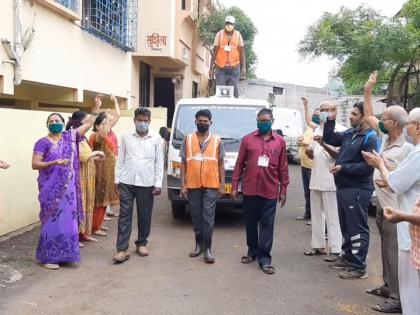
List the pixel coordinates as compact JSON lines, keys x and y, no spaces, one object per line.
{"x":232,"y":58}
{"x":202,"y":166}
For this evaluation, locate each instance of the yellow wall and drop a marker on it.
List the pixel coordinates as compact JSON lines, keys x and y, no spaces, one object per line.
{"x":20,"y":129}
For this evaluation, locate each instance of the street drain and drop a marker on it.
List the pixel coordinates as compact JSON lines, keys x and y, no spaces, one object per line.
{"x":8,"y":275}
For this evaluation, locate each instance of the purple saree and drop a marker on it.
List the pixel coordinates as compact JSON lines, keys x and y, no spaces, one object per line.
{"x":60,"y":200}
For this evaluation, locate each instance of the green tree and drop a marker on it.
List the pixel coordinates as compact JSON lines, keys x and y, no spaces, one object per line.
{"x":214,"y":22}
{"x":362,"y":40}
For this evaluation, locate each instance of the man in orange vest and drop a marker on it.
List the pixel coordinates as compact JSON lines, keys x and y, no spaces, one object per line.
{"x":202,"y":180}
{"x":229,"y":56}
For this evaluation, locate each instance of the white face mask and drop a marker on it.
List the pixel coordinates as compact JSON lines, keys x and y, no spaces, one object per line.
{"x":323,"y":116}
{"x":229,"y":27}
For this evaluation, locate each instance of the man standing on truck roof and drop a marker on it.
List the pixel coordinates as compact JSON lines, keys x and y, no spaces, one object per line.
{"x":202,"y":180}
{"x":262,"y":161}
{"x":229,"y":56}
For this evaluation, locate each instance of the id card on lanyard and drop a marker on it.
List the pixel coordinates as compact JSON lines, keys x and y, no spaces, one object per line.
{"x":263,"y":161}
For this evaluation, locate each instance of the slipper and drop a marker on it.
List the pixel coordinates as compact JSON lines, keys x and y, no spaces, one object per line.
{"x":268,"y":269}
{"x":99,"y":233}
{"x":315,"y":252}
{"x":247,"y":259}
{"x":107,"y":218}
{"x":104,"y":228}
{"x":377,"y":292}
{"x":387,"y":308}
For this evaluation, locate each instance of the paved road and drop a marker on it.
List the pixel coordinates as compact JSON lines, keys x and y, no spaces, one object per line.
{"x":169,"y":282}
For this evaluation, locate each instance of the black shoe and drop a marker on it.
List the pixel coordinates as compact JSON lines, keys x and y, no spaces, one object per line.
{"x":332,"y":258}
{"x":387,"y":308}
{"x":352,"y":274}
{"x":208,"y":257}
{"x":340,"y":264}
{"x":198,"y":247}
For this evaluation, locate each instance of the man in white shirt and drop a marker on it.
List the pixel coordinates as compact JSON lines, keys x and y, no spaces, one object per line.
{"x":323,"y":192}
{"x":139,"y":176}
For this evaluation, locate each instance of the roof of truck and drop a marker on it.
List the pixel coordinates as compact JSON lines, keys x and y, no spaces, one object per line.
{"x":221,"y":101}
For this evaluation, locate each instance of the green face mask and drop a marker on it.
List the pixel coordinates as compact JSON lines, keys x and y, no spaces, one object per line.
{"x":316,"y":119}
{"x":264,"y":127}
{"x":55,"y":128}
{"x":382,"y":128}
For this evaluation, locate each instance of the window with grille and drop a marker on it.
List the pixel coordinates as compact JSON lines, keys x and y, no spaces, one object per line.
{"x":71,"y":4}
{"x":114,"y":21}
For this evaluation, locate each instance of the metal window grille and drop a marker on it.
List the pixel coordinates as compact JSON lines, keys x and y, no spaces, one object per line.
{"x":71,"y":4}
{"x":114,"y":21}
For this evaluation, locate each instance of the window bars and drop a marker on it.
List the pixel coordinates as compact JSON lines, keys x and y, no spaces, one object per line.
{"x":71,"y":4}
{"x":114,"y":21}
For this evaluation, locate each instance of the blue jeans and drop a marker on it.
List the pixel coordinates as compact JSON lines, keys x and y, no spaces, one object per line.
{"x":353,"y":207}
{"x":228,"y":76}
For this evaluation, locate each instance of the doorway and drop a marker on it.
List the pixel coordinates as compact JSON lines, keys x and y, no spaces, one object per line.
{"x":164,"y":95}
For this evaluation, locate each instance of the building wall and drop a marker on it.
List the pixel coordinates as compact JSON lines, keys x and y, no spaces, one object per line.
{"x":19,"y":205}
{"x":62,"y":54}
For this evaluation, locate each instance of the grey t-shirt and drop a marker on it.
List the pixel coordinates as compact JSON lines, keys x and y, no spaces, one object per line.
{"x":202,"y":147}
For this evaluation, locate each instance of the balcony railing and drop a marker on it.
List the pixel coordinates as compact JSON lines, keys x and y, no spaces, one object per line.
{"x":70,"y":4}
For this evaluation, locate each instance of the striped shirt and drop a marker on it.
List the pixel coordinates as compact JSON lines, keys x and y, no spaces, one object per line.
{"x":140,"y":160}
{"x":415,"y":238}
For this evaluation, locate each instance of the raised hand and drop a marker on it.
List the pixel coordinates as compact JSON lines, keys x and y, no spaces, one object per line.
{"x":370,"y":84}
{"x":304,"y":100}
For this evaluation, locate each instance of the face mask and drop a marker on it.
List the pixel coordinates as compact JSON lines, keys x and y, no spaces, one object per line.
{"x":142,"y":126}
{"x":55,"y":128}
{"x":229,"y":27}
{"x":316,"y":119}
{"x":382,"y":128}
{"x":264,"y":127}
{"x":203,"y":128}
{"x":323,"y":117}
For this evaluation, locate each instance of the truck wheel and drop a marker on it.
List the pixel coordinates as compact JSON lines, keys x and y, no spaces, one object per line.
{"x":178,"y":210}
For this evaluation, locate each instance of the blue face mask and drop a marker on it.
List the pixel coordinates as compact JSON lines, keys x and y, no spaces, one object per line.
{"x":323,"y":117}
{"x":264,"y":127}
{"x":142,"y":126}
{"x":55,"y":128}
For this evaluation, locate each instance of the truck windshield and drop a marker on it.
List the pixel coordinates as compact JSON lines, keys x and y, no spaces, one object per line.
{"x":229,"y":121}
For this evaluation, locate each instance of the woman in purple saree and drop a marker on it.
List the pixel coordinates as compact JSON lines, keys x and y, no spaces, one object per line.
{"x":57,"y":160}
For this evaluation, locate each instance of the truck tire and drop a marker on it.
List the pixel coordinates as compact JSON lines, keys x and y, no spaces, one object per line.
{"x":178,"y":210}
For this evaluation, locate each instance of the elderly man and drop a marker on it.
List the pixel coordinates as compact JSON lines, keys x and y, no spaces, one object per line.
{"x":394,"y":149}
{"x":354,"y":180}
{"x":229,"y":56}
{"x":323,"y":191}
{"x":404,"y":180}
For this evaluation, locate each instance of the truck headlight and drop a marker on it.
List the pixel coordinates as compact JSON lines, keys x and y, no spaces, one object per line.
{"x":176,"y":169}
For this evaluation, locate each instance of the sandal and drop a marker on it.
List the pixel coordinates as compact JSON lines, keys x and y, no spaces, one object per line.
{"x":268,"y":269}
{"x":387,"y":308}
{"x":104,"y":228}
{"x":377,"y":292}
{"x":247,"y":259}
{"x":315,"y":252}
{"x":100,"y":233}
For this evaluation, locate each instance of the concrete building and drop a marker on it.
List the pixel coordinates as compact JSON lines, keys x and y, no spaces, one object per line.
{"x":171,"y":61}
{"x":56,"y":55}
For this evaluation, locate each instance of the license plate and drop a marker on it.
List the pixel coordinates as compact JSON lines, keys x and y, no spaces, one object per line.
{"x":228,"y":189}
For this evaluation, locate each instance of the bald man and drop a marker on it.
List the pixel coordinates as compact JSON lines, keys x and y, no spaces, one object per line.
{"x":394,"y":149}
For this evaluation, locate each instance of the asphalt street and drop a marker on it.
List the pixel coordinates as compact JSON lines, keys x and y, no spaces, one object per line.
{"x":168,"y":281}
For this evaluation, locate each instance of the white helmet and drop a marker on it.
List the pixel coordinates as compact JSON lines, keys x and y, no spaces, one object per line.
{"x":230,"y":19}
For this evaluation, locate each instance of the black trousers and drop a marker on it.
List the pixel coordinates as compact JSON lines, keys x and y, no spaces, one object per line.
{"x":353,"y":207}
{"x":259,"y":220}
{"x":144,"y":202}
{"x":202,"y":204}
{"x":306,"y":179}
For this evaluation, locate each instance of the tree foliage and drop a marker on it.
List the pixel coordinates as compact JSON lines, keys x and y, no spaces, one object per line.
{"x":214,"y":22}
{"x":362,"y":40}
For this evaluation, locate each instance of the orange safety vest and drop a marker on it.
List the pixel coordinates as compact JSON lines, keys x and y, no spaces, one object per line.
{"x":202,"y":166}
{"x":228,"y":58}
